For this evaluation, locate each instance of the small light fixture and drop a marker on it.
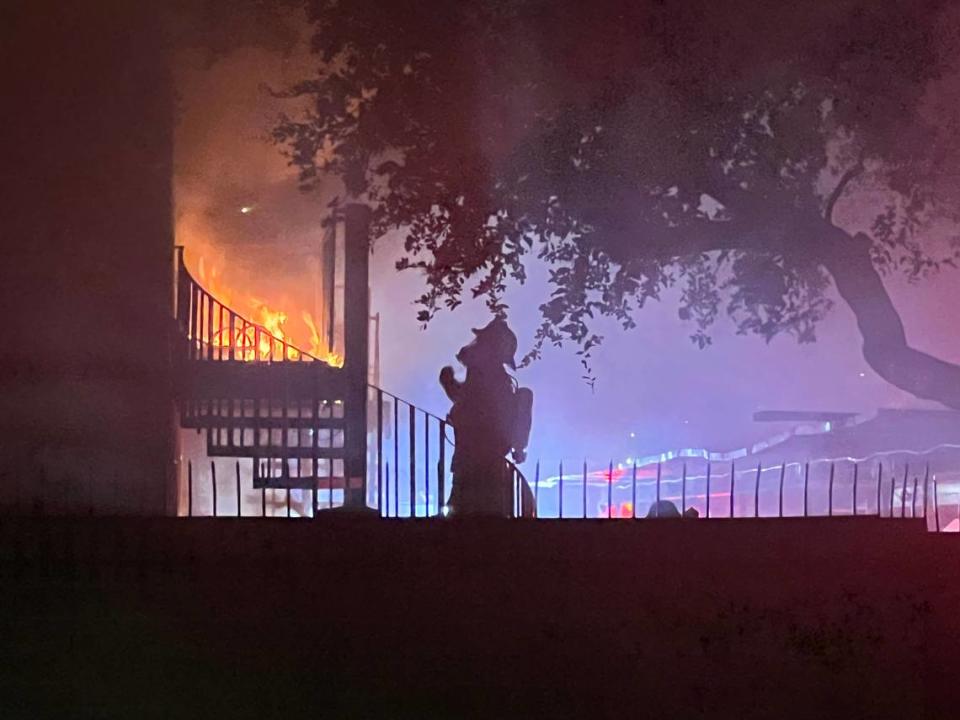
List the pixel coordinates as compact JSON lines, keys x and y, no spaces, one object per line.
{"x":246,"y":209}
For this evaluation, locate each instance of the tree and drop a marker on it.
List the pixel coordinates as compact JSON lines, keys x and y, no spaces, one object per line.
{"x":635,"y":146}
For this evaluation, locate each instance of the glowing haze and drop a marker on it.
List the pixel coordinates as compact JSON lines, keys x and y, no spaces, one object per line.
{"x":239,"y":209}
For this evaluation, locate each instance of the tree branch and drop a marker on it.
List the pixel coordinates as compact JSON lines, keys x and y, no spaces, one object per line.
{"x":841,"y":186}
{"x":885,"y":348}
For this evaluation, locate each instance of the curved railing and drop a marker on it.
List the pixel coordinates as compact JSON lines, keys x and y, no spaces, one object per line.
{"x":415,"y":487}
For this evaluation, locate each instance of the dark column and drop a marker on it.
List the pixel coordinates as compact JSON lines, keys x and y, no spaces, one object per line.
{"x":356,"y":320}
{"x":86,"y":275}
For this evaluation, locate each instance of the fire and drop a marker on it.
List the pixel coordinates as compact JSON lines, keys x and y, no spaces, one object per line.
{"x":262,"y":334}
{"x":318,"y":347}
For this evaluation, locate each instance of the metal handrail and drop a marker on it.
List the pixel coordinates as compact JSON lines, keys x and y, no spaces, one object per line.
{"x":515,"y":472}
{"x":249,"y":323}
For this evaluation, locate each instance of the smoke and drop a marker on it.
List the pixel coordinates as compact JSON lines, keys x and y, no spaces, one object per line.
{"x":655,"y":389}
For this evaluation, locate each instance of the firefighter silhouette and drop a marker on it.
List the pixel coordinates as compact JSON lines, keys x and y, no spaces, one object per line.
{"x":490,"y":417}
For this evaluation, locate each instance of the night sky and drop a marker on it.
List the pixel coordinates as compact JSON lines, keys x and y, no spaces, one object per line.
{"x":655,"y":390}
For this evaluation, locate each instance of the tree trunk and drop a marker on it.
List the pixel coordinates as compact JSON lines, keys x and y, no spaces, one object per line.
{"x":885,"y":348}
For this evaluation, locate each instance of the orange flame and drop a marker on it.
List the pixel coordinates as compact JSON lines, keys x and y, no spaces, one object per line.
{"x":265,"y":337}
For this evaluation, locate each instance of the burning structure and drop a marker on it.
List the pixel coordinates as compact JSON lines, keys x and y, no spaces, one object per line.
{"x":297,"y":418}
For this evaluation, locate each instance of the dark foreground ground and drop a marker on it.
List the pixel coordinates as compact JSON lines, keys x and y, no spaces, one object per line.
{"x":353,"y":618}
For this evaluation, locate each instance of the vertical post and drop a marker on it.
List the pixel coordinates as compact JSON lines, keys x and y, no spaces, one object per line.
{"x":830,"y":492}
{"x":232,"y":353}
{"x":733,"y":484}
{"x":426,"y":464}
{"x":288,"y":502}
{"x":806,"y":485}
{"x":263,"y":501}
{"x":239,"y":506}
{"x":936,"y":506}
{"x":783,"y":472}
{"x":659,"y":475}
{"x":855,"y":474}
{"x":879,"y":486}
{"x":584,"y":488}
{"x":756,"y":492}
{"x":633,"y":492}
{"x":560,"y":485}
{"x":709,"y":470}
{"x":189,"y":489}
{"x":610,"y":491}
{"x":213,"y":482}
{"x":913,"y":498}
{"x":536,"y":490}
{"x":893,"y":489}
{"x":356,"y":296}
{"x":683,"y":492}
{"x":209,"y":303}
{"x":926,"y":487}
{"x":396,"y":457}
{"x":442,"y":467}
{"x":196,"y":320}
{"x":413,"y":459}
{"x":381,"y":490}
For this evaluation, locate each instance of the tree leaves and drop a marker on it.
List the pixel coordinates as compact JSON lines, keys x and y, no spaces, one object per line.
{"x":587,"y":137}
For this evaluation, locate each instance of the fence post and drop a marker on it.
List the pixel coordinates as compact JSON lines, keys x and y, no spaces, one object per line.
{"x":855,"y":473}
{"x":733,"y":483}
{"x":189,"y":489}
{"x":239,"y":506}
{"x":213,"y":480}
{"x":633,"y":494}
{"x":584,"y":489}
{"x":381,"y":491}
{"x":683,"y":492}
{"x":610,"y":491}
{"x":830,"y":492}
{"x":806,"y":485}
{"x":426,"y":465}
{"x":879,"y":489}
{"x":936,"y":506}
{"x":412,"y":414}
{"x":536,"y":490}
{"x":926,"y":487}
{"x":263,"y":501}
{"x":756,"y":492}
{"x":893,"y":488}
{"x":560,"y":512}
{"x":913,"y":498}
{"x":709,"y":469}
{"x":783,"y":472}
{"x":288,"y":502}
{"x":442,"y":468}
{"x":396,"y":456}
{"x":903,"y":491}
{"x":657,"y":506}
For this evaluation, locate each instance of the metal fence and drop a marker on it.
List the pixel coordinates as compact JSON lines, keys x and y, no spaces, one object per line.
{"x":409,"y":454}
{"x":823,"y":488}
{"x":407,"y":484}
{"x":409,"y":477}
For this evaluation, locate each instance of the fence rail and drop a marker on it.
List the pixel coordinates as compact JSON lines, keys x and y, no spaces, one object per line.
{"x":410,"y":478}
{"x":406,"y":489}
